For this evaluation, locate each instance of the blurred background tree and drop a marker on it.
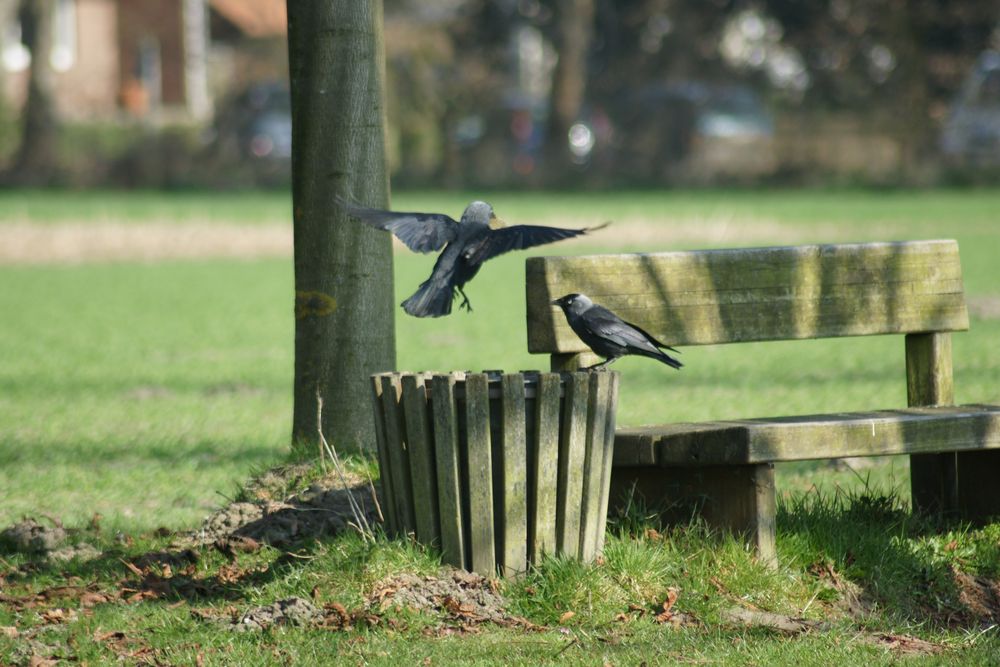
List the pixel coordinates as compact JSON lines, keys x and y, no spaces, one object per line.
{"x":36,"y":160}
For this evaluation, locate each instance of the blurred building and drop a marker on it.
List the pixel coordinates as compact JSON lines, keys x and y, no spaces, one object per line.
{"x":156,"y":59}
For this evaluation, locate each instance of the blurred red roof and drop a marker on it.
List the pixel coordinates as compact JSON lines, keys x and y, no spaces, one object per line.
{"x":256,"y":18}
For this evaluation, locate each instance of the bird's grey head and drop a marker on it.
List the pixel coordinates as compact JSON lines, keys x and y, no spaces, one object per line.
{"x":478,"y":212}
{"x":574,"y":303}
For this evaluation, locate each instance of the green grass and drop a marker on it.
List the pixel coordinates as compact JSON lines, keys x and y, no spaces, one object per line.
{"x":147,"y":392}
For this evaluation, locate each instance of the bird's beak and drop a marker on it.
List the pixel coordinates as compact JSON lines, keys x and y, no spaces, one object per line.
{"x":496,"y":223}
{"x":557,"y":302}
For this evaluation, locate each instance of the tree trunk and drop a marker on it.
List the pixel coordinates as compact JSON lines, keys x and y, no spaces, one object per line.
{"x":36,"y":159}
{"x":574,"y":32}
{"x":344,"y":306}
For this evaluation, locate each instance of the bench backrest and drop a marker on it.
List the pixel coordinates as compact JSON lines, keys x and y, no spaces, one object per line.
{"x":752,"y":294}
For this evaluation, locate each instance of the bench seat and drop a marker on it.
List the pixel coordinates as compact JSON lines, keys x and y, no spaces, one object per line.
{"x":769,"y":440}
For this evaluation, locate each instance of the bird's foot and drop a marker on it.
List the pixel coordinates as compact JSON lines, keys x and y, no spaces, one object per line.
{"x":601,"y":366}
{"x":465,"y":303}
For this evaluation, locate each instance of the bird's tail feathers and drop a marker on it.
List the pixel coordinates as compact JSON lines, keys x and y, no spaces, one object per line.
{"x":432,"y":299}
{"x":665,"y":358}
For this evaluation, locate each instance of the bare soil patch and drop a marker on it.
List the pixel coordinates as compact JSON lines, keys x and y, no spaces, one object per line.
{"x":25,"y":242}
{"x":108,"y":241}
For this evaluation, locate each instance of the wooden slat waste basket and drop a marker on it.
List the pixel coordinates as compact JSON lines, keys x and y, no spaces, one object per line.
{"x":497,"y":469}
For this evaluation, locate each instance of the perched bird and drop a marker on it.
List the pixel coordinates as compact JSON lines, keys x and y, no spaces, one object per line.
{"x":467,"y":244}
{"x":609,"y":335}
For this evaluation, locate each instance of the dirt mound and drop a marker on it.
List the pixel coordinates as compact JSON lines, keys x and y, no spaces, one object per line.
{"x":457,"y":594}
{"x":980,"y":596}
{"x":292,"y":611}
{"x":324,"y":509}
{"x":460,"y":600}
{"x":29,"y":536}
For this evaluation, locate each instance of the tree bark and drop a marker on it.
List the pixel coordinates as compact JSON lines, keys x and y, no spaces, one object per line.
{"x":36,"y":159}
{"x":344,"y":306}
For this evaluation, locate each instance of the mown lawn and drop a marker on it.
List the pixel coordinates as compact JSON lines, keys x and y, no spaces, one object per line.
{"x":146,"y":392}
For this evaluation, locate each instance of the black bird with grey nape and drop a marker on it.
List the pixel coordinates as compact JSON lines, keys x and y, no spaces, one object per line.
{"x":479,"y":236}
{"x":608,"y":335}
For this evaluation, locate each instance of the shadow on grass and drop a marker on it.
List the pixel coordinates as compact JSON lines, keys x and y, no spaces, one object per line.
{"x":913,"y":568}
{"x":238,"y":550}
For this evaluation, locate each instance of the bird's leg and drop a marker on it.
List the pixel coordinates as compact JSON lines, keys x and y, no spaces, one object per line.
{"x":600,"y":366}
{"x":465,"y":300}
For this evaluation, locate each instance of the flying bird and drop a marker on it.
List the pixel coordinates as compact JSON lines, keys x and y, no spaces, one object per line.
{"x":479,"y":236}
{"x":608,"y":335}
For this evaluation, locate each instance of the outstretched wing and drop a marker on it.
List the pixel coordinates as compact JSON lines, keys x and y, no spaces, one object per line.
{"x":498,"y":241}
{"x":421,"y":232}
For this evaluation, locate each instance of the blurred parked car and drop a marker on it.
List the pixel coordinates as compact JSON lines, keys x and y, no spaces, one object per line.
{"x":250,"y":140}
{"x":971,"y":133}
{"x":266,"y":130}
{"x":692,"y":132}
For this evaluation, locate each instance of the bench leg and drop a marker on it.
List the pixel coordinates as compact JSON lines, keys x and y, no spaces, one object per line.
{"x":739,"y":499}
{"x":934,"y":483}
{"x":960,"y":484}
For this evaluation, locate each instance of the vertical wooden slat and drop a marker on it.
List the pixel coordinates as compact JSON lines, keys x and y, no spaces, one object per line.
{"x":384,"y":466}
{"x":514,"y":536}
{"x":546,"y":477}
{"x":398,"y":459}
{"x":480,"y":472}
{"x":593,"y":465}
{"x":572,"y":443}
{"x":608,"y":446}
{"x":933,"y":477}
{"x":420,"y":444}
{"x":448,"y":475}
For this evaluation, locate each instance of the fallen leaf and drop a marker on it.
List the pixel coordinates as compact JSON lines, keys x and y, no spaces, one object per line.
{"x":133,"y":569}
{"x":8,"y":631}
{"x":58,"y":615}
{"x":91,"y":599}
{"x":665,"y":615}
{"x":566,"y":616}
{"x":906,"y":644}
{"x":116,"y":635}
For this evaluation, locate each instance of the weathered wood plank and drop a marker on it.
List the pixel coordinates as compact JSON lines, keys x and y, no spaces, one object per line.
{"x":572,"y":447}
{"x":399,"y":463}
{"x":608,"y":446}
{"x":934,"y":478}
{"x":593,"y":465}
{"x":423,"y":476}
{"x":480,"y":473}
{"x":446,"y":454}
{"x":905,"y":431}
{"x":514,"y":522}
{"x":545,"y":479}
{"x":384,"y":465}
{"x":718,"y":296}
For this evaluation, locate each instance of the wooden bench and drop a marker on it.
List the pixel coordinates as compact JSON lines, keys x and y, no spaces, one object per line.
{"x":786,"y":293}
